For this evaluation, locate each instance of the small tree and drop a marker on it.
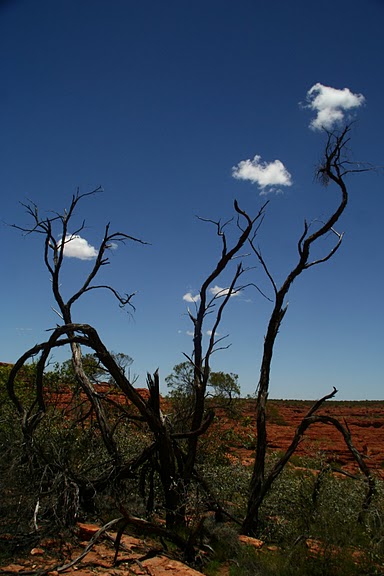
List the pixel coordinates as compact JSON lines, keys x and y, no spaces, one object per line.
{"x":225,"y":385}
{"x":224,"y":388}
{"x":181,"y":382}
{"x":93,"y":369}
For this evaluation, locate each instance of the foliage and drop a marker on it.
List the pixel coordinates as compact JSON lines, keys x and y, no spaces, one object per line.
{"x":61,"y":481}
{"x":224,"y":385}
{"x":92,"y":367}
{"x":181,"y":382}
{"x":24,"y":384}
{"x":274,"y":416}
{"x":303,"y":535}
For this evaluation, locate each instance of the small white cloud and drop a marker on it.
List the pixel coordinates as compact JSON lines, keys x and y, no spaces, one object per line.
{"x":217,"y":291}
{"x":267,"y":175}
{"x":330,"y":105}
{"x":189,"y":298}
{"x":77,"y":247}
{"x":112,"y":246}
{"x":189,"y":333}
{"x":209,"y":333}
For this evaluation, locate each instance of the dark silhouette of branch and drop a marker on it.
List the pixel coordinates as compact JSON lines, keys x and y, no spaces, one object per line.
{"x":201,"y":360}
{"x":332,"y":170}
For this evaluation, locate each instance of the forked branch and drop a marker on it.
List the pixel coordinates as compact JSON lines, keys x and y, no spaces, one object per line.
{"x":333,"y":169}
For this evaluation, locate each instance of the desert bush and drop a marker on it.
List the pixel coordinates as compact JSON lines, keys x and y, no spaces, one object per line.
{"x":228,"y":483}
{"x":274,"y":416}
{"x":58,"y":480}
{"x":301,"y":507}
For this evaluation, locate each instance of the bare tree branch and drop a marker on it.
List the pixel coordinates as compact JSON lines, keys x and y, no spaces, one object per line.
{"x":331,"y":170}
{"x":201,"y":361}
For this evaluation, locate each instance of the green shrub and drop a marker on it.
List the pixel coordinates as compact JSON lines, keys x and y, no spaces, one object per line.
{"x":274,"y":416}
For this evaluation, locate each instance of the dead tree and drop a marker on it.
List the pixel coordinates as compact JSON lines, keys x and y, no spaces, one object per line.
{"x":334,"y":168}
{"x":165,"y":456}
{"x":52,"y":228}
{"x":77,"y":335}
{"x":207,"y":304}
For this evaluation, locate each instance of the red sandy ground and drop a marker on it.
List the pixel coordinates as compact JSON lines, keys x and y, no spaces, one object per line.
{"x":364,"y":419}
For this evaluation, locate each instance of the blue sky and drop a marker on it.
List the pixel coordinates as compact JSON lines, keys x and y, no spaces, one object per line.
{"x":157,"y":102}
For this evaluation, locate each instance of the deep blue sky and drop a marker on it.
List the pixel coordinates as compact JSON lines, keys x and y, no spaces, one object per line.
{"x":156,"y":102}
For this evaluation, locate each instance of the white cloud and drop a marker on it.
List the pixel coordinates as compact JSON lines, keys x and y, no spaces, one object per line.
{"x":189,"y":333}
{"x":189,"y":298}
{"x":209,"y":333}
{"x":264,"y":174}
{"x":217,"y":291}
{"x":77,"y":247}
{"x":330,"y":105}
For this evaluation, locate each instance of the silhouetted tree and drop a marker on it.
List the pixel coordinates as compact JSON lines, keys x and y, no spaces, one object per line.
{"x":167,"y":455}
{"x":334,"y":168}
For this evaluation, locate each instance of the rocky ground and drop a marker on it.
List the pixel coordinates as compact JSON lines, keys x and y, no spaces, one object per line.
{"x":95,"y":554}
{"x":90,"y":554}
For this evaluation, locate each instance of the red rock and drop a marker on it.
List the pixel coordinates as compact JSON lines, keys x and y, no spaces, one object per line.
{"x":37,"y":551}
{"x":49,"y":542}
{"x":16,"y":568}
{"x":163,"y":566}
{"x":86,"y":531}
{"x":251,"y":541}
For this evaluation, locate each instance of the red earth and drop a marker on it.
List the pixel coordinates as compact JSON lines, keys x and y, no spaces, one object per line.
{"x":365,"y":420}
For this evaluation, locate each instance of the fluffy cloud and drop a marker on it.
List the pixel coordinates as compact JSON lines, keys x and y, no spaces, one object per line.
{"x":267,"y":175}
{"x":330,"y":105}
{"x":189,"y":298}
{"x":217,"y":291}
{"x":77,"y":247}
